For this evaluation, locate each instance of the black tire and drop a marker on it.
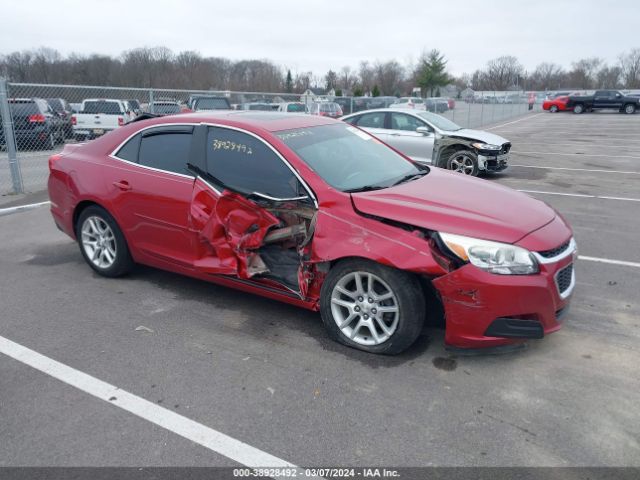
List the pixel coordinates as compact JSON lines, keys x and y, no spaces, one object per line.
{"x":629,"y":109}
{"x":123,"y":263}
{"x":578,"y":108}
{"x":410,"y":305}
{"x":464,"y":156}
{"x":553,"y":109}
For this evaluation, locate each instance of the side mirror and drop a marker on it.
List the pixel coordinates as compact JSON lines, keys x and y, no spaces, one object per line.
{"x":424,"y":131}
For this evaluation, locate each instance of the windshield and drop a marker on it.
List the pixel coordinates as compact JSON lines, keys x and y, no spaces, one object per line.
{"x":166,"y":108}
{"x":347,"y":158}
{"x":107,"y":108}
{"x":439,"y":121}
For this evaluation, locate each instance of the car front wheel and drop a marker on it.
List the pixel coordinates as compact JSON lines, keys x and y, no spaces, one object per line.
{"x":463,"y":161}
{"x":102,"y":243}
{"x":372,"y":307}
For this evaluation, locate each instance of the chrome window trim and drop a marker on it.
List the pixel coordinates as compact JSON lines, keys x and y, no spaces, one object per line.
{"x":564,"y":295}
{"x":195,"y":124}
{"x":570,"y":250}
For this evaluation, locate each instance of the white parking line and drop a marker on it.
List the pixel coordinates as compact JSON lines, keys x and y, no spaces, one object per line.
{"x":578,"y":154}
{"x":202,"y":435}
{"x":582,"y":195}
{"x":607,"y":260}
{"x":516,"y":121}
{"x":19,"y":208}
{"x":576,"y":169}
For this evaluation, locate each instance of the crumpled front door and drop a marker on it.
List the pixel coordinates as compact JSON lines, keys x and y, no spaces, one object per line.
{"x":228,"y":229}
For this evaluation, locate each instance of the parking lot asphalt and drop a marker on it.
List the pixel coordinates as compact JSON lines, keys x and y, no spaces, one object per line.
{"x":266,"y":374}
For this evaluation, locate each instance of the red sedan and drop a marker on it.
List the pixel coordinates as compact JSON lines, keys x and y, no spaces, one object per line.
{"x":317,"y":213}
{"x":556,"y":104}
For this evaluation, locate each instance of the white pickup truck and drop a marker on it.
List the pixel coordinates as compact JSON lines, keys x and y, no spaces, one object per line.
{"x":98,"y":116}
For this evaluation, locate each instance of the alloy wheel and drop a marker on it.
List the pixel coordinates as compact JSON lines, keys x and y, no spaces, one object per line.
{"x":365,"y":308}
{"x":98,"y":242}
{"x":462,"y":163}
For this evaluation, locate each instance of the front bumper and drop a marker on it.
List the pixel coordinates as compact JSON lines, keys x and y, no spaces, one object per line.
{"x":488,"y":310}
{"x":493,"y":163}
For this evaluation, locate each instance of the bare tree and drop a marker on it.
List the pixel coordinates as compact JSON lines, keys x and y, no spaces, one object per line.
{"x":388,"y":76}
{"x":630,"y":68}
{"x":608,"y":77}
{"x":547,"y":76}
{"x":584,"y":71}
{"x":503,"y":72}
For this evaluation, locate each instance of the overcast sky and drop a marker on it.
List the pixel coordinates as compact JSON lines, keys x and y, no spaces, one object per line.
{"x":317,"y":35}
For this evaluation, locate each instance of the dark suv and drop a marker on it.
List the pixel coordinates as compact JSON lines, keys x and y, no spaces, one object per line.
{"x":35,"y":124}
{"x":205,"y":102}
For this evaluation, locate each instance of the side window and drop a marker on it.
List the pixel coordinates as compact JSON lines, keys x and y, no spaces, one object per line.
{"x":400,"y":121}
{"x":353,"y":120}
{"x":371,"y":120}
{"x":129,"y":151}
{"x":243,"y":162}
{"x":167,"y":151}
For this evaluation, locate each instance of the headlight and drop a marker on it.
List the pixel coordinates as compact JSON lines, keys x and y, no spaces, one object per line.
{"x":494,"y":257}
{"x":486,"y":146}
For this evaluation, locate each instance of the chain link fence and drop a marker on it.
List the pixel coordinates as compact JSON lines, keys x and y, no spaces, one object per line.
{"x":38,"y":119}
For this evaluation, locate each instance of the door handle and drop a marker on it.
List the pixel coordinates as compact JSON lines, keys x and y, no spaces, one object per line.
{"x":122,"y":185}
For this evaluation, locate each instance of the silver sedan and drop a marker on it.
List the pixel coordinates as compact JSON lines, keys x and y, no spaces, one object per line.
{"x":432,"y":139}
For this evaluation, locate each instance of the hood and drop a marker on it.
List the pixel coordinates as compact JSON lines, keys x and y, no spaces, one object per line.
{"x":454,"y":203}
{"x":480,"y":135}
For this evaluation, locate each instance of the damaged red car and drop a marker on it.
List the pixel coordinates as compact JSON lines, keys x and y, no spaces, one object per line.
{"x":317,"y":213}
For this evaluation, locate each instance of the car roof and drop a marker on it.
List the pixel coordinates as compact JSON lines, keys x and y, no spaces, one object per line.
{"x":390,"y":109}
{"x":271,"y":121}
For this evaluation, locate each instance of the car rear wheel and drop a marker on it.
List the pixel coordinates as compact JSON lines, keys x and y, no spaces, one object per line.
{"x":553,"y":109}
{"x":579,"y":108}
{"x":629,"y":109}
{"x":463,"y":161}
{"x":372,"y":307}
{"x":102,"y":243}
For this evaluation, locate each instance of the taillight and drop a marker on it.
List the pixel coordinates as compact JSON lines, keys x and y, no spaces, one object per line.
{"x":120,"y":121}
{"x":74,"y":120}
{"x":52,"y":159}
{"x":38,"y":118}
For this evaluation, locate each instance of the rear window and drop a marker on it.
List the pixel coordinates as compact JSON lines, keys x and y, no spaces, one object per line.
{"x":56,"y":104}
{"x":22,"y":109}
{"x":166,"y":108}
{"x":417,"y":100}
{"x":296,"y":107}
{"x":99,"y":106}
{"x":211,"y":104}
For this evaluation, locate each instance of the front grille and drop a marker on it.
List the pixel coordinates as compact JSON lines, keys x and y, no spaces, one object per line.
{"x":555,"y":251}
{"x":563,"y":278}
{"x":505,"y":148}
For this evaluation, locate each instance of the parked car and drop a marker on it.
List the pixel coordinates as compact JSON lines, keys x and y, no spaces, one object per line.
{"x":314,"y":212}
{"x":35,"y":124}
{"x":604,"y":99}
{"x":165,"y":108}
{"x":428,"y":138}
{"x":267,"y":107}
{"x":437,"y":105}
{"x":208,"y":102}
{"x":293,"y":107}
{"x":451,"y":103}
{"x":415,"y":103}
{"x":135,"y":106}
{"x":64,"y":111}
{"x":98,"y":116}
{"x":556,"y":104}
{"x":325,"y":109}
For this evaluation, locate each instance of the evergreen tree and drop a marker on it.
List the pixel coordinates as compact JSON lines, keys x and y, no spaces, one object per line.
{"x":288,"y":85}
{"x":375,"y":92}
{"x":432,"y":72}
